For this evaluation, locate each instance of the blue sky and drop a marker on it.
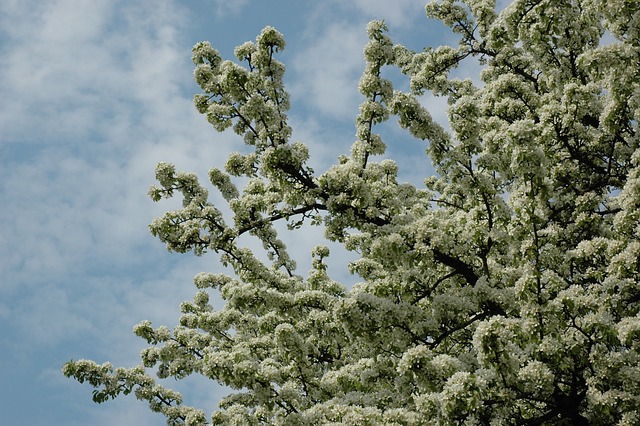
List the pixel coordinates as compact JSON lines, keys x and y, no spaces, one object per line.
{"x":93,"y":94}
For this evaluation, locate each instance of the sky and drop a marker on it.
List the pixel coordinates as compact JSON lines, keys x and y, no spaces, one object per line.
{"x":94,"y":93}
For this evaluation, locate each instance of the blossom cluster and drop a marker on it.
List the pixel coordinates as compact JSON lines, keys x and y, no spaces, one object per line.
{"x":506,"y":290}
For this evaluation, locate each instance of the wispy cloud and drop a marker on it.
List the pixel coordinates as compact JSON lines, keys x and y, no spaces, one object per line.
{"x":397,"y":13}
{"x":99,"y":92}
{"x":328,"y":69}
{"x":225,"y":8}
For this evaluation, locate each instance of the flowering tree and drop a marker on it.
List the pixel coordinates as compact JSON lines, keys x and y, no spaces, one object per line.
{"x":504,"y":291}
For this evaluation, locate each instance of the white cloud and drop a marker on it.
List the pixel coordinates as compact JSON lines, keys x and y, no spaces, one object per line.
{"x":98,"y":98}
{"x":328,"y":70}
{"x":396,"y":13}
{"x":229,"y":7}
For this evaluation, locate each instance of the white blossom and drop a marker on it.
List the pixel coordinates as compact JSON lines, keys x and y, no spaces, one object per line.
{"x":506,"y":290}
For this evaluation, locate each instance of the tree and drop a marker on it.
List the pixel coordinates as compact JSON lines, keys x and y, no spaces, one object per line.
{"x":504,"y":291}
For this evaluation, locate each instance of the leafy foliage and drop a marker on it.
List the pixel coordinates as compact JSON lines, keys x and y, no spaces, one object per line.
{"x":505,"y":291}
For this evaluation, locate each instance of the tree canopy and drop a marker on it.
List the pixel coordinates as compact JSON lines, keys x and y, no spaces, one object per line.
{"x":503,"y":291}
